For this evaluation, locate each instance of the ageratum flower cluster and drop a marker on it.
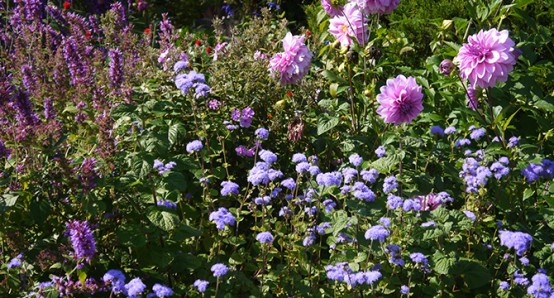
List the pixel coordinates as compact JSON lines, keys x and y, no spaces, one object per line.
{"x":537,"y":171}
{"x":341,"y":272}
{"x":519,"y":241}
{"x":195,"y":80}
{"x":222,"y":217}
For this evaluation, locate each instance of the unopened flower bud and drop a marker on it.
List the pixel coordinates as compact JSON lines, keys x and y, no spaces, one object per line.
{"x":446,"y":67}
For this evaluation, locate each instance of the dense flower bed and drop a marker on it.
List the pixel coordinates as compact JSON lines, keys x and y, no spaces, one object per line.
{"x":257,"y":161}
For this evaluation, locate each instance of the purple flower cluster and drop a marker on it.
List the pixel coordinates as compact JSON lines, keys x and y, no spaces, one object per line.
{"x":519,"y":241}
{"x":135,"y":287}
{"x":329,"y":179}
{"x":115,"y":279}
{"x":166,"y":203}
{"x":201,"y":285}
{"x":262,"y":133}
{"x":264,"y":237}
{"x":475,"y":175}
{"x":355,"y":159}
{"x":192,"y":80}
{"x":362,"y":192}
{"x":194,"y":146}
{"x":390,"y":184}
{"x":161,"y":168}
{"x":116,"y":67}
{"x":380,"y":151}
{"x":162,"y":291}
{"x":395,"y":255}
{"x":262,"y":173}
{"x":219,"y":270}
{"x":244,"y":117}
{"x":536,"y":171}
{"x":221,"y":218}
{"x":540,"y":286}
{"x":15,"y":262}
{"x":377,"y":233}
{"x":500,"y":168}
{"x":82,"y":240}
{"x":228,"y":188}
{"x":341,"y":272}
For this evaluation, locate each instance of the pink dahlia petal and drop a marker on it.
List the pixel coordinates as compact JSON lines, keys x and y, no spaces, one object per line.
{"x":348,"y":26}
{"x":377,"y":6}
{"x":400,"y":100}
{"x":487,"y":58}
{"x":292,"y":64}
{"x":329,"y":8}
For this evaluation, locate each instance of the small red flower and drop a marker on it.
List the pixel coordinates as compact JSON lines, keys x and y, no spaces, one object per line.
{"x":289,"y":94}
{"x":147,"y":31}
{"x":66,"y":5}
{"x":269,"y":116}
{"x":308,"y":33}
{"x":198,"y":42}
{"x":208,"y":50}
{"x":88,"y":34}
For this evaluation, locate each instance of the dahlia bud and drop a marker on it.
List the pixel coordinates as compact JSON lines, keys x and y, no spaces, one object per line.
{"x":446,"y":67}
{"x":352,"y":56}
{"x":373,"y":52}
{"x":472,"y":97}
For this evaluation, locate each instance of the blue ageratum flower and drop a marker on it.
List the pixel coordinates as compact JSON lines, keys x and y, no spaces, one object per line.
{"x":329,"y":179}
{"x":381,"y":151}
{"x":288,"y":183}
{"x":299,"y":157}
{"x":390,"y":184}
{"x":355,"y":159}
{"x":228,"y":188}
{"x":194,"y":146}
{"x":437,"y":130}
{"x":219,"y":270}
{"x":268,"y":156}
{"x":116,"y":279}
{"x":222,"y":217}
{"x":477,"y":133}
{"x":540,"y":286}
{"x":264,"y":237}
{"x":370,"y":175}
{"x":519,"y":241}
{"x":201,"y":285}
{"x":135,"y":287}
{"x":262,"y":133}
{"x":15,"y":262}
{"x":162,"y":291}
{"x":377,"y":233}
{"x":419,"y":258}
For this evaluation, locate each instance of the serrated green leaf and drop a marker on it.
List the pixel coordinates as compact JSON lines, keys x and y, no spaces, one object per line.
{"x":162,"y":219}
{"x":176,"y":133}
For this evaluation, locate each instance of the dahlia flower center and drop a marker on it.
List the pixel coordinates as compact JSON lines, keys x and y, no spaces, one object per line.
{"x":403,"y":105}
{"x":479,"y":53}
{"x":344,"y":28}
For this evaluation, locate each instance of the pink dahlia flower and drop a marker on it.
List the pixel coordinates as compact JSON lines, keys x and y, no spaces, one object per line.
{"x":400,"y":100}
{"x":377,"y":6}
{"x":488,"y":57}
{"x":331,"y":9}
{"x":348,"y":26}
{"x":294,"y":63}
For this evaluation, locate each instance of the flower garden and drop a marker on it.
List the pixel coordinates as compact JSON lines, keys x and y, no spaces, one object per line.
{"x":332,"y":148}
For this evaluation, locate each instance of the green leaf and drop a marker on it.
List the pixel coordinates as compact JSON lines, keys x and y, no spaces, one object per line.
{"x":164,"y":220}
{"x":326,"y":123}
{"x":176,"y":132}
{"x":474,"y":274}
{"x":175,"y":181}
{"x":340,"y":218}
{"x":82,"y":276}
{"x":333,"y":89}
{"x":442,"y":263}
